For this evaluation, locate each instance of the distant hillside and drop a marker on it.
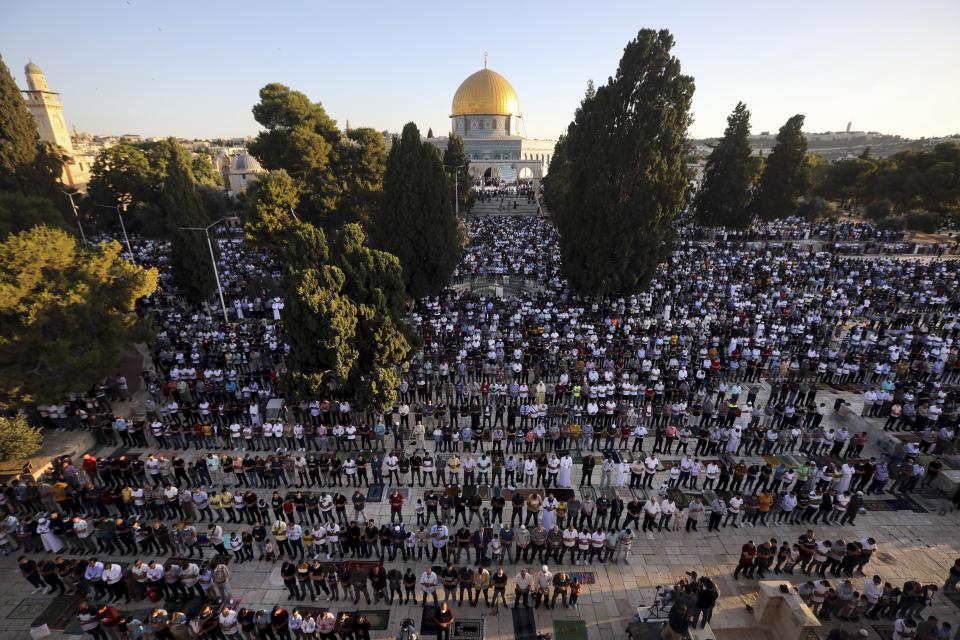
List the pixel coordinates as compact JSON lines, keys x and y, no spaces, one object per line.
{"x":834,"y":145}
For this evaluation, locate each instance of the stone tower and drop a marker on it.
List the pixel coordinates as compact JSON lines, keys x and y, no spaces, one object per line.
{"x":46,"y":108}
{"x":47,"y":111}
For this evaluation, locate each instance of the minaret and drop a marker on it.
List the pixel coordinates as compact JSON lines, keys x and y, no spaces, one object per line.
{"x":46,"y":108}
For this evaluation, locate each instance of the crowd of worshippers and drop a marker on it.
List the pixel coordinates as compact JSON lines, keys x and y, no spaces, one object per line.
{"x":541,"y":374}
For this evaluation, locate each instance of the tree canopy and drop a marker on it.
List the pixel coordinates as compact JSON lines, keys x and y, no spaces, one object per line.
{"x":341,"y":173}
{"x":785,"y":176}
{"x":18,"y":132}
{"x":183,"y":207}
{"x":57,"y":300}
{"x":457,"y":165}
{"x":724,"y":195}
{"x":19,"y":212}
{"x":416,"y":220}
{"x":344,"y":315}
{"x":617,"y":179}
{"x":18,"y":440}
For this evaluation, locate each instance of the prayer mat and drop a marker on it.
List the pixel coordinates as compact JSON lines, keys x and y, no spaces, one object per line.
{"x":469,"y":490}
{"x":883,"y":630}
{"x":905,"y":504}
{"x":725,"y":457}
{"x":666,"y":465}
{"x":562,"y":494}
{"x":585,"y":577}
{"x":569,"y":630}
{"x":639,"y":493}
{"x":952,"y":596}
{"x":427,"y":625}
{"x":709,"y":495}
{"x":526,"y":493}
{"x":644,"y":630}
{"x":879,"y":505}
{"x":625,"y":493}
{"x":375,"y":493}
{"x":498,"y":491}
{"x":484,"y":491}
{"x":789,"y":460}
{"x":588,"y":493}
{"x":30,"y":608}
{"x":772,"y":460}
{"x":468,"y":629}
{"x":678,"y":497}
{"x":61,"y":615}
{"x":524,"y":626}
{"x":577,"y":456}
{"x":914,"y":504}
{"x":379,"y":618}
{"x":365,"y":565}
{"x":609,"y":492}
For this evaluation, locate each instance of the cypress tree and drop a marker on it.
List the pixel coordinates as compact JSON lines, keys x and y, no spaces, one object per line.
{"x":617,"y":179}
{"x":18,"y":132}
{"x":724,"y":197}
{"x":189,"y":254}
{"x":785,"y":176}
{"x":457,"y":166}
{"x":416,"y":221}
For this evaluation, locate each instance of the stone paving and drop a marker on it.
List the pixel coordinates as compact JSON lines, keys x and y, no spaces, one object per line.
{"x":911,"y":545}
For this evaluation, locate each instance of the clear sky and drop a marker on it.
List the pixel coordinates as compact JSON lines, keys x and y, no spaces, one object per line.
{"x":193,"y":68}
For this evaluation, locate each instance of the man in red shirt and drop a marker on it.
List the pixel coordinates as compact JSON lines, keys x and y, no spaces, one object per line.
{"x":747,"y":554}
{"x":396,"y":505}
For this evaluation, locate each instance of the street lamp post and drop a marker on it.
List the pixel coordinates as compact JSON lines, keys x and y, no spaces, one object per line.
{"x":122,"y":226}
{"x":456,"y":186}
{"x":76,"y":214}
{"x":213,"y":259}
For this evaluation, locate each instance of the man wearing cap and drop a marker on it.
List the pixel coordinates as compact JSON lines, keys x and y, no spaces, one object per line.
{"x":853,"y":508}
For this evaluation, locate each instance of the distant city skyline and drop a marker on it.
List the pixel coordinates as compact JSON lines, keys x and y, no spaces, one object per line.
{"x":193,"y":70}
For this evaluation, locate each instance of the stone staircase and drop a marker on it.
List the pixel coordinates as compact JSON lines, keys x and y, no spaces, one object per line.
{"x":492,"y":208}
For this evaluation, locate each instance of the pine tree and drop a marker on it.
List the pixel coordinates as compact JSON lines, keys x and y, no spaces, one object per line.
{"x":272,"y":202}
{"x":189,"y":252}
{"x":18,"y":132}
{"x":617,"y":178}
{"x":785,"y":177}
{"x":416,"y":222}
{"x":66,"y":314}
{"x":724,"y":197}
{"x":429,"y":133}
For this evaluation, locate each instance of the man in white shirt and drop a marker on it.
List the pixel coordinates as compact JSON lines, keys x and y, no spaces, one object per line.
{"x":733,"y":511}
{"x":651,"y":464}
{"x":428,"y":585}
{"x":650,"y":512}
{"x":667,"y":508}
{"x":522,"y":583}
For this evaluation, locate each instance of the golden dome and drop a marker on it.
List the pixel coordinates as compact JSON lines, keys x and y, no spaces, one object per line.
{"x":485,"y":92}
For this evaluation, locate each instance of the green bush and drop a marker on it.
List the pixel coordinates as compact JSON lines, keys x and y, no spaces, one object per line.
{"x":878,"y":210}
{"x":925,"y":221}
{"x":18,"y":440}
{"x":891,"y":223}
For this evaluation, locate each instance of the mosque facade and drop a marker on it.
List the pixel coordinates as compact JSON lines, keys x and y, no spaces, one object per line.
{"x":486,"y":114}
